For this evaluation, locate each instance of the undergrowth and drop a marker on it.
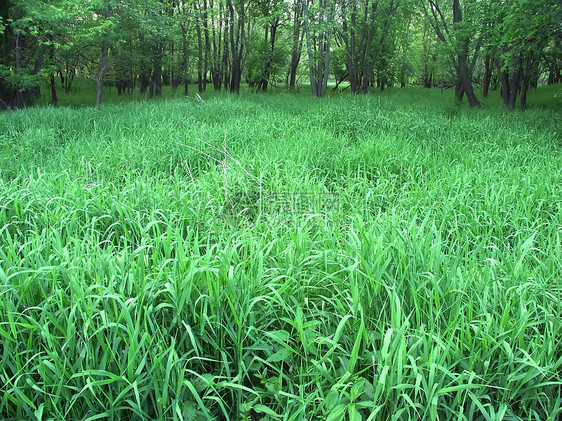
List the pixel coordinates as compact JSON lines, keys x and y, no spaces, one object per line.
{"x":277,"y":257}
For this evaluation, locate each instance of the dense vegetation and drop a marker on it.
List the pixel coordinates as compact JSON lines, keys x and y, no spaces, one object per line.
{"x":279,"y":257}
{"x":508,"y":46}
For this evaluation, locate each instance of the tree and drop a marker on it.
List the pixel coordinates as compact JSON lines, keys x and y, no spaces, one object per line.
{"x":457,"y":34}
{"x":27,"y":29}
{"x":103,"y":59}
{"x":297,"y":11}
{"x":318,"y":29}
{"x":522,"y":34}
{"x":237,"y":22}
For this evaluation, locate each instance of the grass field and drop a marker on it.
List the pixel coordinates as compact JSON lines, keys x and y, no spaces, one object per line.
{"x":272,"y":257}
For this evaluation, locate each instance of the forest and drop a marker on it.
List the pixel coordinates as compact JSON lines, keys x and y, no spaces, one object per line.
{"x":507,"y":46}
{"x":267,"y":210}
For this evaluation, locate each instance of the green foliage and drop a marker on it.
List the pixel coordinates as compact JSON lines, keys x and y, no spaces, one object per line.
{"x":262,"y":61}
{"x":357,"y":258}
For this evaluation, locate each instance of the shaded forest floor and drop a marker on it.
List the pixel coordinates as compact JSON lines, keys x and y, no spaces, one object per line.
{"x":82,"y":94}
{"x":393,"y":256}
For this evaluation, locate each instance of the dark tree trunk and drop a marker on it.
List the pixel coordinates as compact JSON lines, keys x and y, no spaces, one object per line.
{"x":34,"y":92}
{"x":462,"y":62}
{"x":236,"y":44}
{"x":267,"y":68}
{"x":144,"y":80}
{"x":339,"y":81}
{"x":554,"y":75}
{"x":391,"y":8}
{"x":68,"y":79}
{"x":298,"y":39}
{"x":464,"y":76}
{"x":207,"y":45}
{"x":54,"y":98}
{"x":102,"y":72}
{"x":216,"y":67}
{"x":514,"y":83}
{"x":504,"y":90}
{"x":351,"y":45}
{"x":525,"y":81}
{"x":459,"y":91}
{"x":103,"y":61}
{"x":365,"y":76}
{"x":184,"y":60}
{"x":319,"y":69}
{"x":487,"y":76}
{"x":4,"y":53}
{"x":157,"y":76}
{"x":226,"y":52}
{"x":200,"y":76}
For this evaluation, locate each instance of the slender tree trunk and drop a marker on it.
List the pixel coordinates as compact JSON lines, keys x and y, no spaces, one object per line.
{"x":324,"y":85}
{"x":207,"y":45}
{"x":102,"y":72}
{"x":267,"y":68}
{"x":463,"y":69}
{"x":236,"y":44}
{"x":365,"y":76}
{"x":319,"y":68}
{"x":199,"y":50}
{"x":35,"y":91}
{"x":525,"y":80}
{"x":309,"y":49}
{"x":103,"y":61}
{"x":515,"y":82}
{"x":298,"y":39}
{"x":350,"y":45}
{"x":226,"y":56}
{"x":487,"y":76}
{"x":184,"y":60}
{"x":504,"y":91}
{"x":54,"y":98}
{"x":459,"y":90}
{"x":391,"y":8}
{"x":157,"y":73}
{"x":216,"y":60}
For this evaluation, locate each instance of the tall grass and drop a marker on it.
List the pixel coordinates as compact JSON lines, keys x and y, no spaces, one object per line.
{"x":353,"y":258}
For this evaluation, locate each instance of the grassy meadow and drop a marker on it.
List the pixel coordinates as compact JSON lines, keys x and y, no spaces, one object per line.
{"x":382,"y":257}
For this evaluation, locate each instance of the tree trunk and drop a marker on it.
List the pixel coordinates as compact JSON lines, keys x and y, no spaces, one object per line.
{"x":184,"y":60}
{"x":487,"y":76}
{"x":267,"y":70}
{"x":236,"y":44}
{"x":157,"y":75}
{"x":391,"y":8}
{"x":313,"y":85}
{"x":207,"y":45}
{"x":103,"y":61}
{"x":365,"y":77}
{"x":514,"y":83}
{"x":462,"y":65}
{"x":199,"y":50}
{"x":226,"y":49}
{"x":216,"y":60}
{"x":351,"y":45}
{"x":35,"y":91}
{"x":319,"y":71}
{"x":54,"y":98}
{"x":298,"y":39}
{"x":525,"y":81}
{"x":459,"y":90}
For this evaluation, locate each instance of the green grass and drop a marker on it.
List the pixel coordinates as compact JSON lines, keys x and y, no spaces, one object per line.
{"x":384,"y":257}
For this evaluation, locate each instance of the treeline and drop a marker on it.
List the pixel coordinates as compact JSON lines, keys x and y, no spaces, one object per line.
{"x":506,"y":45}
